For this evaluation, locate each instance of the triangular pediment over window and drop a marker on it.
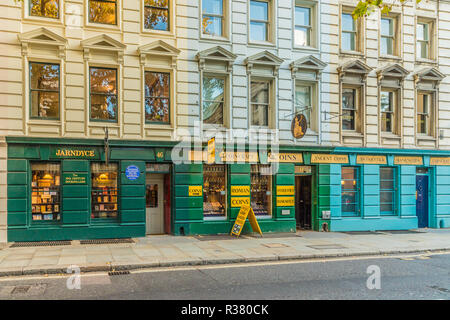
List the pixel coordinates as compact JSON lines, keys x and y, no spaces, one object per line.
{"x":393,"y":71}
{"x":354,"y":66}
{"x":159,"y":47}
{"x":429,"y":74}
{"x":103,"y":42}
{"x":216,"y":53}
{"x":309,"y":62}
{"x":264,"y":58}
{"x":42,"y":36}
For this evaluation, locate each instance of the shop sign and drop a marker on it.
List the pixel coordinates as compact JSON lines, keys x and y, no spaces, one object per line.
{"x":239,"y":156}
{"x":238,"y":202}
{"x":299,"y":125}
{"x":303,"y":169}
{"x":69,"y":153}
{"x":364,"y":159}
{"x":285,"y":157}
{"x":195,"y":191}
{"x":246,"y":211}
{"x":329,"y":158}
{"x":285,"y":190}
{"x":285,"y":201}
{"x":212,"y":150}
{"x":440,"y":161}
{"x":159,"y":153}
{"x":75,"y":178}
{"x":417,"y":161}
{"x":240,"y":190}
{"x":132,"y":172}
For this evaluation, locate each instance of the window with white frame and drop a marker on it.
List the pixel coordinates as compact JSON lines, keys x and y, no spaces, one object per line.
{"x":303,"y":25}
{"x":388,"y":106}
{"x":424,"y":40}
{"x":156,"y":15}
{"x":157,"y":97}
{"x":303,"y":101}
{"x":213,"y":22}
{"x":260,"y":20}
{"x":103,"y":11}
{"x":46,"y":9}
{"x":424,"y":113}
{"x":350,"y":108}
{"x":260,"y":102}
{"x":388,"y":41}
{"x":213,"y":98}
{"x":349,"y":36}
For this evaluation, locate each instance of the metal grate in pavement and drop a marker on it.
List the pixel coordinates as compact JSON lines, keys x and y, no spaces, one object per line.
{"x":20,"y":289}
{"x":355,"y":233}
{"x":40,"y":244}
{"x":118,"y":273}
{"x":326,"y":246}
{"x":106,"y":241}
{"x":276,"y":235}
{"x":216,"y":237}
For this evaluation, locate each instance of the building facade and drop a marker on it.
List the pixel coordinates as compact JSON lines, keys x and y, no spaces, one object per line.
{"x":107,"y":109}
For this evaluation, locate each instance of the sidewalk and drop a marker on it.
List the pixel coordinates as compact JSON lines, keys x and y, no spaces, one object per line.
{"x":167,"y":251}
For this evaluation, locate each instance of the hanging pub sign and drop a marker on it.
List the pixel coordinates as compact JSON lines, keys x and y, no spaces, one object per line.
{"x":299,"y":125}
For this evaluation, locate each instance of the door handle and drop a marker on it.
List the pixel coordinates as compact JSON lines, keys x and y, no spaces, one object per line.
{"x":416,"y":194}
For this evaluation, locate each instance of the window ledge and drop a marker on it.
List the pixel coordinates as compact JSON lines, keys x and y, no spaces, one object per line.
{"x":41,"y":20}
{"x":390,"y":135}
{"x":50,"y":122}
{"x":162,"y":126}
{"x":352,"y":53}
{"x":101,"y":26}
{"x":261,"y":44}
{"x":159,"y":33}
{"x":390,"y":57}
{"x":424,"y":137}
{"x":427,"y":61}
{"x":103,"y":123}
{"x":214,"y":39}
{"x":305,"y":48}
{"x":352,"y":134}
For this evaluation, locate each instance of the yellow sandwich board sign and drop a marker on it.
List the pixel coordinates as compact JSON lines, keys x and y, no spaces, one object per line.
{"x":211,"y":150}
{"x":246,"y":211}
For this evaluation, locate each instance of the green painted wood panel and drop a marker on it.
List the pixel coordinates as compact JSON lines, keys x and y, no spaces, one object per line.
{"x":75,"y":166}
{"x":75,"y":217}
{"x":128,"y":216}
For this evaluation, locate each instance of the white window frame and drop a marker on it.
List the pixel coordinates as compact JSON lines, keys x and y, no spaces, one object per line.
{"x":359,"y":34}
{"x":226,"y":22}
{"x":104,"y":26}
{"x":270,"y":104}
{"x":44,"y":20}
{"x":163,"y":33}
{"x":271,"y":24}
{"x":314,"y":35}
{"x":431,"y":57}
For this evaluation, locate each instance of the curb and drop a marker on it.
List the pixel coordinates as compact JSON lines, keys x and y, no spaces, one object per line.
{"x":117,"y":266}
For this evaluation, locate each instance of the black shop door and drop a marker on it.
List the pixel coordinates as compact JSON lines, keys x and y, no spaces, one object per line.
{"x":303,"y":201}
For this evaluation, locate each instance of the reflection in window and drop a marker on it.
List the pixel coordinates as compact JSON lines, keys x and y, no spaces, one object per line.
{"x":151,"y":196}
{"x":303,"y":102}
{"x":156,"y":14}
{"x":387,"y":191}
{"x":157,"y":97}
{"x":214,"y":194}
{"x":423,"y":113}
{"x":44,"y":8}
{"x":103,"y":11}
{"x":387,"y":36}
{"x":387,"y":111}
{"x":259,"y":20}
{"x":103,"y":93}
{"x":104,"y":190}
{"x":348,"y":108}
{"x":212,"y":17}
{"x":44,"y":90}
{"x":349,"y":190}
{"x":213,"y":100}
{"x":260,"y":103}
{"x":302,"y":32}
{"x":45,"y":191}
{"x":348,"y":32}
{"x":261,"y":189}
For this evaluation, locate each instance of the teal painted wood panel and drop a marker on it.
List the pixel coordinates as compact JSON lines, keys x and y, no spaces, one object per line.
{"x":133,"y":190}
{"x":17,"y":219}
{"x":239,"y":179}
{"x":186,"y":214}
{"x":239,"y":168}
{"x":16,"y":178}
{"x":288,"y":168}
{"x":17,"y":205}
{"x":75,"y":217}
{"x":132,"y":203}
{"x":75,"y":204}
{"x":75,"y":191}
{"x":128,"y":216}
{"x":189,"y":202}
{"x":132,"y":154}
{"x":17,"y":165}
{"x":75,"y":165}
{"x":17,"y":192}
{"x":189,"y":179}
{"x":189,"y":168}
{"x":284,"y":179}
{"x":23,"y":151}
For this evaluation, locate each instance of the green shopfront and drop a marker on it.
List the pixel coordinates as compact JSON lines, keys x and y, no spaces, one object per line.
{"x":64,"y":189}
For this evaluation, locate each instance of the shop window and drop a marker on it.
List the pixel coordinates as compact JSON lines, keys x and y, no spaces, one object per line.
{"x":44,"y":8}
{"x":103,"y":11}
{"x":104,"y":190}
{"x":213,"y":17}
{"x":387,"y":191}
{"x":261,"y":190}
{"x":44,"y":90}
{"x":259,"y":21}
{"x":156,"y":15}
{"x":157,"y":97}
{"x":349,"y":191}
{"x":214,"y":194}
{"x":302,"y":32}
{"x":387,"y":103}
{"x":260,"y":101}
{"x":103,"y":94}
{"x":45,"y":191}
{"x":213,"y":100}
{"x":424,"y":101}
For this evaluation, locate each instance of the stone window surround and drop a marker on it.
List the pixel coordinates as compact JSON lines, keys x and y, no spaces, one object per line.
{"x":433,"y":39}
{"x":45,"y":20}
{"x":226,"y":27}
{"x":272,"y":25}
{"x":397,"y":17}
{"x":360,"y":51}
{"x":106,"y":27}
{"x":314,"y":6}
{"x":160,"y":33}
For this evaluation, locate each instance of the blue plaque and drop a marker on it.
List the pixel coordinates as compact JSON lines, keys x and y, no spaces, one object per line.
{"x":132,"y":173}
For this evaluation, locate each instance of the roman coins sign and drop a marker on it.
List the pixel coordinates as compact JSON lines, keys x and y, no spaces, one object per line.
{"x":245,"y":212}
{"x":237,"y":202}
{"x":299,"y":125}
{"x":240,"y":190}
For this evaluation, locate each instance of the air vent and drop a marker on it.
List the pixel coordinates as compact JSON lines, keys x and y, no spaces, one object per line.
{"x":40,"y":244}
{"x":106,"y":241}
{"x":118,"y":273}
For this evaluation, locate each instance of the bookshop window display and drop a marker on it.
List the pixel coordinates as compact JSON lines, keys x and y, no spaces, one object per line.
{"x":45,"y":191}
{"x":104,"y":190}
{"x":261,"y":190}
{"x":214,"y":195}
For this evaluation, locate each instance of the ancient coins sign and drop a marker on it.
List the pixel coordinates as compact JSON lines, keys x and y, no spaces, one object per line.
{"x":240,"y":190}
{"x":364,"y":159}
{"x":299,"y":126}
{"x":246,"y":211}
{"x":329,"y":158}
{"x":195,"y":191}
